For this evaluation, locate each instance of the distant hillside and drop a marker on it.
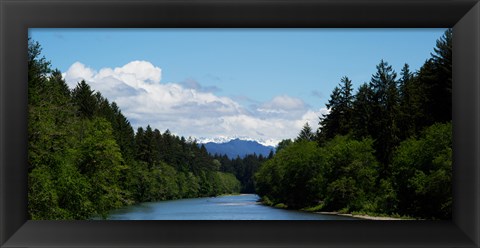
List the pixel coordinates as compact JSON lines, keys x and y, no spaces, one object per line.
{"x":238,"y":147}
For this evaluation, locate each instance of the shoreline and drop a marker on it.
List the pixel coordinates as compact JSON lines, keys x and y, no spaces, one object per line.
{"x":360,"y":216}
{"x":231,"y":194}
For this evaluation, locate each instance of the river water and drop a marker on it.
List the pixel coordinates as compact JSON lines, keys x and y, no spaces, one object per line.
{"x":235,"y":207}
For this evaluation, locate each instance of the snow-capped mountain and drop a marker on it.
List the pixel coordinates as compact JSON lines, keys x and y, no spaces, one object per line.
{"x":238,"y":147}
{"x":225,"y":139}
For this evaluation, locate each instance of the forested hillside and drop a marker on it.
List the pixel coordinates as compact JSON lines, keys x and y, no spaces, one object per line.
{"x":84,"y":158}
{"x":385,"y":149}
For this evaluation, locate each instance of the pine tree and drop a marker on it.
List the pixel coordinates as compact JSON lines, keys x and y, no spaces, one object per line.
{"x":411,"y":112}
{"x":140,"y":145}
{"x":362,"y":114}
{"x":385,"y":110}
{"x":338,"y":120}
{"x":283,"y":144}
{"x":330,"y":123}
{"x":270,"y":154}
{"x":441,"y":89}
{"x":305,"y":134}
{"x":346,"y":105}
{"x":85,"y":100}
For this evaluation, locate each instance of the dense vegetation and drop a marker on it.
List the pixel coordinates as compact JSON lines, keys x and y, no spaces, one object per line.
{"x":387,"y":149}
{"x":243,"y":168}
{"x":85,"y":159}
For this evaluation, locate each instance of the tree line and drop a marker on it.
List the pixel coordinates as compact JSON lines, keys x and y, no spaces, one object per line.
{"x":387,"y":149}
{"x":243,"y":168}
{"x":384,"y":149}
{"x":84,"y":158}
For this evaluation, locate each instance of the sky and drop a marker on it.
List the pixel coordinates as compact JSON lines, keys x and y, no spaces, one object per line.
{"x":260,"y":84}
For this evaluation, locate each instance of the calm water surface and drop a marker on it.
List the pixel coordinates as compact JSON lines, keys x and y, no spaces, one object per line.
{"x":237,"y":207}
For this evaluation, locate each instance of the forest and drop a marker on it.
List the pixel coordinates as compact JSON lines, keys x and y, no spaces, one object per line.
{"x":385,"y":149}
{"x":84,"y":158}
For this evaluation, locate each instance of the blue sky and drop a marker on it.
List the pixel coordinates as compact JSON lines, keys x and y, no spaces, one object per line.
{"x":263,"y":74}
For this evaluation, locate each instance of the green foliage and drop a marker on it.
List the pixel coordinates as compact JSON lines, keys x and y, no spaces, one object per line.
{"x":306,"y":134}
{"x":350,"y":174}
{"x":98,"y":158}
{"x":440,"y":87}
{"x":344,"y":175}
{"x":42,"y":197}
{"x":302,"y":167}
{"x":282,"y":144}
{"x":407,"y":123}
{"x":386,"y":150}
{"x":281,"y":205}
{"x":73,"y":190}
{"x":268,"y":179}
{"x":422,"y":170}
{"x":385,"y":112}
{"x":338,"y":121}
{"x":85,"y":160}
{"x":84,"y":100}
{"x":226,"y":183}
{"x":340,"y":174}
{"x":292,"y":175}
{"x":362,"y":113}
{"x":315,"y":208}
{"x":385,"y":200}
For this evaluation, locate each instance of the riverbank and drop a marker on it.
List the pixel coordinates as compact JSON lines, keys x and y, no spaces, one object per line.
{"x":362,"y":216}
{"x":352,"y":215}
{"x":234,"y":194}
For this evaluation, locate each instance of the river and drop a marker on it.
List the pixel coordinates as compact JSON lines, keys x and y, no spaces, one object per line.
{"x":235,"y":207}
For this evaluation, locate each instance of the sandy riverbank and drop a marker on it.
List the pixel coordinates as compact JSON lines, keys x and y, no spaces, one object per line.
{"x":360,"y":216}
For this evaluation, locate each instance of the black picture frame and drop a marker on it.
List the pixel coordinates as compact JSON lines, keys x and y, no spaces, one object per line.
{"x":19,"y":15}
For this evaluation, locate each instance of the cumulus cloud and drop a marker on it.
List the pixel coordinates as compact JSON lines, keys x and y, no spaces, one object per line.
{"x":190,"y":109}
{"x":284,"y":102}
{"x":78,"y":72}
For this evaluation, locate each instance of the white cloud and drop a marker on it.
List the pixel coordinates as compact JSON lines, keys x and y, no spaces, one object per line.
{"x":140,"y":71}
{"x":284,"y":107}
{"x":78,"y":72}
{"x":284,"y":103}
{"x":187,"y":108}
{"x":312,"y":117}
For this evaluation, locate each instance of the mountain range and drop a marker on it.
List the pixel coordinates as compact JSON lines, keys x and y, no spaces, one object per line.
{"x":238,"y":147}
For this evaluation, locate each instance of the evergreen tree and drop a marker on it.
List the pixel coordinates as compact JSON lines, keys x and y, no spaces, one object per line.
{"x":283,"y":144}
{"x":362,"y":114}
{"x":346,"y":105}
{"x":330,"y":123}
{"x":85,"y":100}
{"x":385,"y":110}
{"x":270,"y":154}
{"x":338,"y":120}
{"x":441,"y":88}
{"x":305,"y":134}
{"x":38,"y":69}
{"x":410,"y":109}
{"x":85,"y":160}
